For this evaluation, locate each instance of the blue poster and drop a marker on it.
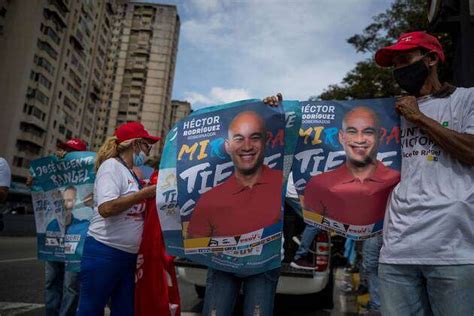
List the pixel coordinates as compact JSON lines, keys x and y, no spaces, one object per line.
{"x":346,"y":164}
{"x":62,"y":194}
{"x":220,"y":199}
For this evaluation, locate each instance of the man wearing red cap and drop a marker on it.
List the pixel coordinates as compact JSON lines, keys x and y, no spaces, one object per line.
{"x":427,"y":259}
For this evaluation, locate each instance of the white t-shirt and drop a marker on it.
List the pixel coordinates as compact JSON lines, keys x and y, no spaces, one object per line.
{"x":430,"y":216}
{"x":290,"y":187}
{"x":122,"y":231}
{"x":5,"y":173}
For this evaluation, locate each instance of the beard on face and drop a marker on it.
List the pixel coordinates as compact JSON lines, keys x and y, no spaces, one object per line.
{"x":359,"y":164}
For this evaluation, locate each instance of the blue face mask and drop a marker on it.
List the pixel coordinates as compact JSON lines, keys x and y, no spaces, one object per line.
{"x":139,"y":160}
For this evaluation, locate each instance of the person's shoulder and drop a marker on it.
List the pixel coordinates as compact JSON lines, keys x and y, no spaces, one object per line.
{"x":463,"y":94}
{"x":109,"y":165}
{"x":273,"y":173}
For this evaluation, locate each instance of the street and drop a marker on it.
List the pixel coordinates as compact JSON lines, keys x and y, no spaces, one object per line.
{"x":22,"y":285}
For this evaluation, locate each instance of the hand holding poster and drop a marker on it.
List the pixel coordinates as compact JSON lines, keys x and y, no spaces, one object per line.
{"x":62,"y":195}
{"x":346,"y":164}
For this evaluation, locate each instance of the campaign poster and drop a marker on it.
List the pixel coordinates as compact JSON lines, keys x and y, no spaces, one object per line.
{"x":346,"y":164}
{"x":167,"y":191}
{"x":227,"y":187}
{"x":62,"y":194}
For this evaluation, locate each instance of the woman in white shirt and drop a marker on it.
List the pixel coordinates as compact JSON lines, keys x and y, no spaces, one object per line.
{"x":115,"y":231}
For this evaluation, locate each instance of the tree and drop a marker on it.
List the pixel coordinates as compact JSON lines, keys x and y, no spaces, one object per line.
{"x":367,"y":80}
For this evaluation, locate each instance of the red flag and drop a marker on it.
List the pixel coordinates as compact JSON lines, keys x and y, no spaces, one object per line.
{"x":156,"y":285}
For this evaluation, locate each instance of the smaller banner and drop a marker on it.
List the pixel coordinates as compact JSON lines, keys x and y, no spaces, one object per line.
{"x":62,"y":194}
{"x":346,"y":164}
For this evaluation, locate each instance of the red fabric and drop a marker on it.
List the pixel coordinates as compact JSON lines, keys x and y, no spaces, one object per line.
{"x":156,"y":285}
{"x":74,"y":144}
{"x":338,"y":195}
{"x":231,"y":209}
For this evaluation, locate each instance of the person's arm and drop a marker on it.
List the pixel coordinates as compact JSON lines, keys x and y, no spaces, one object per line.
{"x":123,"y":203}
{"x":3,"y":194}
{"x":458,"y":145}
{"x":5,"y":179}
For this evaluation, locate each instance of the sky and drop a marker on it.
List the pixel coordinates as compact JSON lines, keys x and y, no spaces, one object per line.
{"x":231,"y":50}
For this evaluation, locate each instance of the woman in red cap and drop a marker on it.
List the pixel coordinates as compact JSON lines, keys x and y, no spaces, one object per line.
{"x":115,"y":231}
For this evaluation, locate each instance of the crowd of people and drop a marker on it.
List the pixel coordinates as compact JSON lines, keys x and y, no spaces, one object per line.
{"x":423,"y":264}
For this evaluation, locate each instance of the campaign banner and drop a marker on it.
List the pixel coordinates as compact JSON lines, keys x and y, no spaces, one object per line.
{"x":62,"y":194}
{"x":346,"y":163}
{"x":200,"y":194}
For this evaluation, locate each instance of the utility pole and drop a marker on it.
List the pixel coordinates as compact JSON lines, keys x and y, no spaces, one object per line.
{"x":456,"y":17}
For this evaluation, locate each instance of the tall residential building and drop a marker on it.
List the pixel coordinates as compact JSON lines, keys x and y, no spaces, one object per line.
{"x":141,"y":69}
{"x":53,"y":55}
{"x":179,"y":110}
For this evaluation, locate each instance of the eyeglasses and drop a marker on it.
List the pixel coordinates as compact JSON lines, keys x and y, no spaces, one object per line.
{"x":147,"y":146}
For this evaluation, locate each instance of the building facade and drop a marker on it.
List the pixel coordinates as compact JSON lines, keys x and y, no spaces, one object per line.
{"x":141,"y":71}
{"x":179,"y":110}
{"x":79,"y":68}
{"x":52,"y":55}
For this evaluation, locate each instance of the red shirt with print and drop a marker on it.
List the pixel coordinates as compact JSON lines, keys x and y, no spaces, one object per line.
{"x":338,"y":195}
{"x":232,"y":209}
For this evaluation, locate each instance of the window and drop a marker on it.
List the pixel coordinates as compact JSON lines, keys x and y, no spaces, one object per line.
{"x":69,"y":104}
{"x":43,"y":63}
{"x":43,"y":81}
{"x":73,"y":91}
{"x":48,"y":49}
{"x":41,"y":97}
{"x":46,"y":30}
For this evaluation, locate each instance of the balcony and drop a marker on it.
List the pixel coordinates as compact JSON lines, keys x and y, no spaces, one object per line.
{"x":55,"y":17}
{"x":20,"y":171}
{"x":60,"y":6}
{"x":32,"y":138}
{"x":76,"y":43}
{"x":33,"y":120}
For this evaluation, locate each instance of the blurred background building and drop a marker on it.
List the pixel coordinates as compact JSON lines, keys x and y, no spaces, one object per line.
{"x":79,"y":69}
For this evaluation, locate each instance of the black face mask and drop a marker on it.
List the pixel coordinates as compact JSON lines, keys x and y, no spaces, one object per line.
{"x":412,"y":77}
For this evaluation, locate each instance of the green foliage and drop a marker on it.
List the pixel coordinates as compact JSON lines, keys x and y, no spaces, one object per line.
{"x":367,"y":80}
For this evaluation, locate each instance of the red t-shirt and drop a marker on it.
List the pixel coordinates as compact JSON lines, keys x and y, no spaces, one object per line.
{"x":232,"y":209}
{"x":338,"y":195}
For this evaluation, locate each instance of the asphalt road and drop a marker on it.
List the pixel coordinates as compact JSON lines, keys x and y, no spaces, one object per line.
{"x":22,"y":285}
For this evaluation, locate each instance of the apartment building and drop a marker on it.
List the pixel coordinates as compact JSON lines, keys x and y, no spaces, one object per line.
{"x":179,"y":110}
{"x":140,"y":73}
{"x":53,"y":56}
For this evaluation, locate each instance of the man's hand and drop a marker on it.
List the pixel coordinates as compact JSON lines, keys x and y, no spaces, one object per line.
{"x":29,"y":181}
{"x":273,"y":100}
{"x":149,"y":191}
{"x":408,"y":107}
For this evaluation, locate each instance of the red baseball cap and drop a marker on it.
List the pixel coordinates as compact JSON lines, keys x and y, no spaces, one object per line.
{"x":407,"y":41}
{"x":132,"y":130}
{"x":74,"y":144}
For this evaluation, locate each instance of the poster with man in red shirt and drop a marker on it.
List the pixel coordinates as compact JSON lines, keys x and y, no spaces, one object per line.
{"x":229,"y":186}
{"x":347,"y":163}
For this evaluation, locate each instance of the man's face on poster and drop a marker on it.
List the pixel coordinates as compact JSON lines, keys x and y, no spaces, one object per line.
{"x":69,"y":200}
{"x":360,"y":136}
{"x":246,"y":142}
